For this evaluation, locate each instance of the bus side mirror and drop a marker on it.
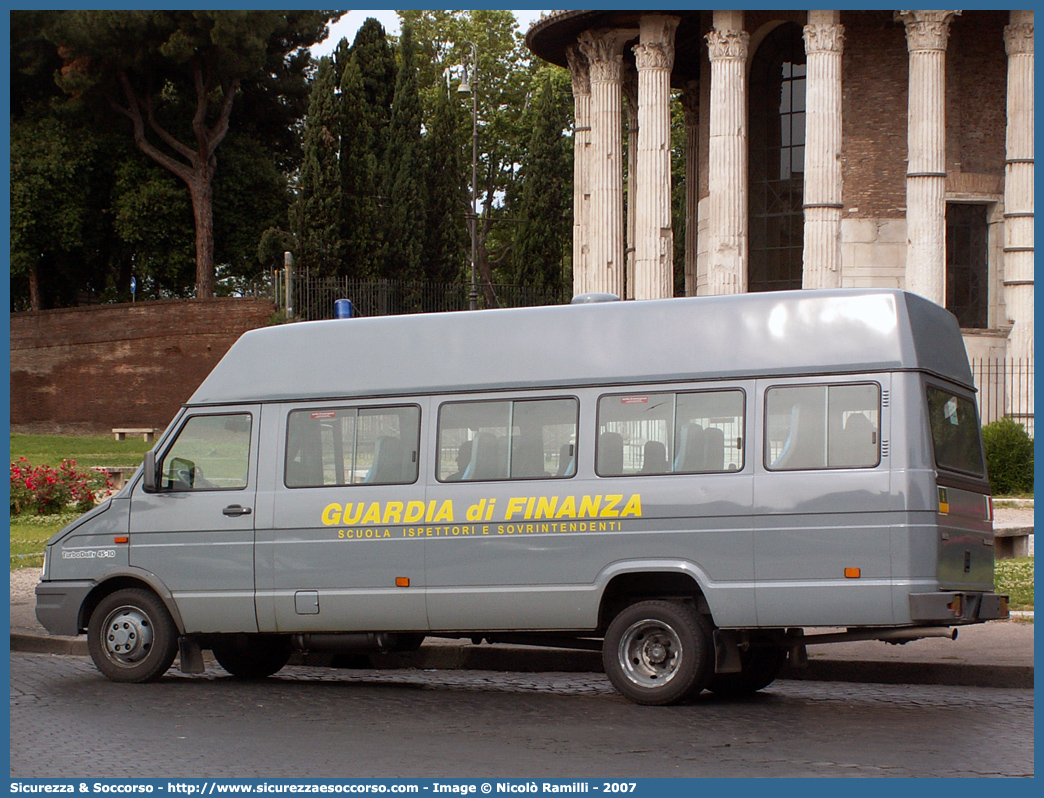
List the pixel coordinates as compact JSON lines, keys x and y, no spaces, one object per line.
{"x":149,"y":483}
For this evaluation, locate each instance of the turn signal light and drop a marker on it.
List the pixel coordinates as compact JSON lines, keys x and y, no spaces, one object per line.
{"x":957,"y":605}
{"x":121,"y":539}
{"x":402,"y":581}
{"x":852,"y":573}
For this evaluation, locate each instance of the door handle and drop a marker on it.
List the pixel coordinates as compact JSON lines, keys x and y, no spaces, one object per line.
{"x":236,"y":510}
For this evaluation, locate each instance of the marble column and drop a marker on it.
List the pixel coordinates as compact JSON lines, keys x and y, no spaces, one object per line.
{"x":1018,"y":186}
{"x":927,"y":33}
{"x":578,"y":69}
{"x":690,"y":101}
{"x":728,"y":44}
{"x":654,"y":242}
{"x":824,"y":42}
{"x":604,"y":52}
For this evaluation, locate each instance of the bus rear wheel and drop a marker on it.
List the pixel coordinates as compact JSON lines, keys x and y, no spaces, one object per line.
{"x":658,"y":652}
{"x":760,"y":667}
{"x":250,"y":656}
{"x":131,"y":636}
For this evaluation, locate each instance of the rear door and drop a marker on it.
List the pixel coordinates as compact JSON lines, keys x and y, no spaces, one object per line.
{"x":196,"y":534}
{"x":965,"y":512}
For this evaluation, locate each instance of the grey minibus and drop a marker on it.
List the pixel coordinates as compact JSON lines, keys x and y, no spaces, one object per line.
{"x":699,"y":488}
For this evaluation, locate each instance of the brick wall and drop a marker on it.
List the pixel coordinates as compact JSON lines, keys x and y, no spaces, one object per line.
{"x":92,"y":369}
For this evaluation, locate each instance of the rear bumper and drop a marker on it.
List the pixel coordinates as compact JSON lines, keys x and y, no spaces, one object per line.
{"x":58,"y":605}
{"x":954,"y":607}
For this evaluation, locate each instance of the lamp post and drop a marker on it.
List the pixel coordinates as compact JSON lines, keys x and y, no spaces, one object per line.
{"x":469,"y":87}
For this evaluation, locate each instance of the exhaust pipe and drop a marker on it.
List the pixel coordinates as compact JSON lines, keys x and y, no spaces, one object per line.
{"x":894,"y":636}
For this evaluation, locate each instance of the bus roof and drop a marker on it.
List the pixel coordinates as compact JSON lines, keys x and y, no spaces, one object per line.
{"x":785,"y":333}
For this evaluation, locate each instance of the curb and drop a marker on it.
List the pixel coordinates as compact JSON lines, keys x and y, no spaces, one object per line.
{"x":519,"y":659}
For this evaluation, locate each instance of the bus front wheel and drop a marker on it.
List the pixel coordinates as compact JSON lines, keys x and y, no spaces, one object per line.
{"x":131,"y":636}
{"x":658,"y":652}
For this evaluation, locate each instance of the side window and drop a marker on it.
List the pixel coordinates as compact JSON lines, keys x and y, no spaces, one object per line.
{"x":823,"y":426}
{"x":670,"y":433}
{"x":210,"y":453}
{"x":523,"y":439}
{"x":352,"y":446}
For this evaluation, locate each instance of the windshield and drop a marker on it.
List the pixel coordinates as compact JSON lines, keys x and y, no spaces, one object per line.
{"x":955,"y":432}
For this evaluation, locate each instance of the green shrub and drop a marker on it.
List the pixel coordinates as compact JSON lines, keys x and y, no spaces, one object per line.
{"x":1009,"y":457}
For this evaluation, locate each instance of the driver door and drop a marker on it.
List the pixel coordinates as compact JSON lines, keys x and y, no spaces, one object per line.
{"x":196,"y":533}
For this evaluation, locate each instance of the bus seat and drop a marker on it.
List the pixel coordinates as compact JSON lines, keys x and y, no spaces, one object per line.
{"x":387,"y":462}
{"x":304,"y":466}
{"x":610,"y":454}
{"x":790,"y":444}
{"x":527,"y":456}
{"x":463,"y":458}
{"x":713,"y":449}
{"x":483,"y":464}
{"x":654,"y":458}
{"x":690,"y":448}
{"x":857,"y":446}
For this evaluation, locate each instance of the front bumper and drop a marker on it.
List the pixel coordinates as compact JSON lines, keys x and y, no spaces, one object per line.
{"x":954,"y":607}
{"x":58,"y":605}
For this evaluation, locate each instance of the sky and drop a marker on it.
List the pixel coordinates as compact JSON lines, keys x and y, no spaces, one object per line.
{"x":346,"y":27}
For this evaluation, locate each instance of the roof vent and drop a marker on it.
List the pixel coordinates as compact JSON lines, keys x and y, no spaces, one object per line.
{"x":585,"y":299}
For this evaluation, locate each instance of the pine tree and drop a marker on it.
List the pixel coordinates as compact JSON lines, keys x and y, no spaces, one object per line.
{"x":404,"y":210}
{"x":546,"y":197}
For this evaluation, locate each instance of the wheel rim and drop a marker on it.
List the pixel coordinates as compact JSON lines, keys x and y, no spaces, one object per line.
{"x":127,"y":635}
{"x":650,"y":653}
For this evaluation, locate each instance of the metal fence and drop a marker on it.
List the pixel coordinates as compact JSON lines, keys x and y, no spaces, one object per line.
{"x":1005,"y":389}
{"x":314,"y":297}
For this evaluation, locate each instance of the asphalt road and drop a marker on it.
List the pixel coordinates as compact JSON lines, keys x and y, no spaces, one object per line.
{"x":68,"y":721}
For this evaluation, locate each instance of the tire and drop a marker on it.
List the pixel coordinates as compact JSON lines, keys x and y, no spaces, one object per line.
{"x":658,"y":652}
{"x":760,"y":666}
{"x":253,"y":656}
{"x":131,"y":636}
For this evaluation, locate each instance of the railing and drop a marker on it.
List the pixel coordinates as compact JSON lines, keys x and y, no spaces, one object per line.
{"x":1005,"y":389}
{"x":314,"y":296}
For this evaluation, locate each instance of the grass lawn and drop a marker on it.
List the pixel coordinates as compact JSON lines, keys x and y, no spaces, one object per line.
{"x":30,"y":533}
{"x":86,"y":450}
{"x":1015,"y":577}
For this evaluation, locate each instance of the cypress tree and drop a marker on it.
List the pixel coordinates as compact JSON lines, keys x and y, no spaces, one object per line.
{"x":317,"y":212}
{"x":404,"y":210}
{"x":447,"y":235}
{"x":361,"y":213}
{"x":545,"y":202}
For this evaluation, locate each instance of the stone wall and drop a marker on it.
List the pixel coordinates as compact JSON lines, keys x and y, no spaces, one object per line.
{"x":131,"y":365}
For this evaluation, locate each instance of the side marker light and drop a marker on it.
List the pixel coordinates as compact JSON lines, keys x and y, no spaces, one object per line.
{"x":852,"y":573}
